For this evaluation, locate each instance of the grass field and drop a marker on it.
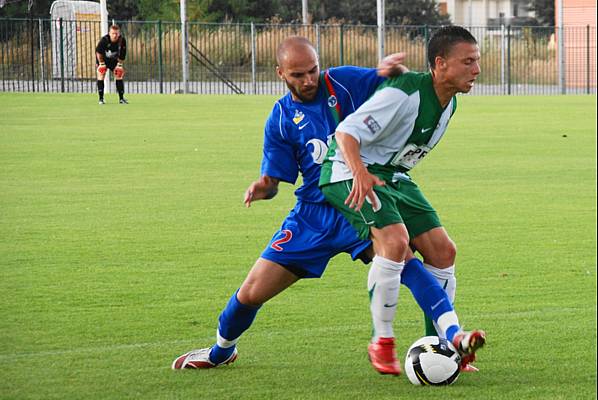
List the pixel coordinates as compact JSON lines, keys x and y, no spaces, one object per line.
{"x":123,"y":234}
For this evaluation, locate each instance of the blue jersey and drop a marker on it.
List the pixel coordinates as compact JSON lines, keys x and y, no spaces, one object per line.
{"x":297,"y":134}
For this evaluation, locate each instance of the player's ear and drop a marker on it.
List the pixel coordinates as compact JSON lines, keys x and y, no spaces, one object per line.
{"x":439,"y":62}
{"x":279,"y":72}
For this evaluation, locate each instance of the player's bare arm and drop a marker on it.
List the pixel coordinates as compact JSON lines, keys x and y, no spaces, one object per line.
{"x":264,"y":188}
{"x":363,"y":181}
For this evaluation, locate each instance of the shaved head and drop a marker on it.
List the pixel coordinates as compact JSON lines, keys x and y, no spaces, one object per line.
{"x":298,"y":67}
{"x":292,"y":47}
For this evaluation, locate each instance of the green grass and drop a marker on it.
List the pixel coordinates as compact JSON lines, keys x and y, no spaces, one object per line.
{"x":123,"y":234}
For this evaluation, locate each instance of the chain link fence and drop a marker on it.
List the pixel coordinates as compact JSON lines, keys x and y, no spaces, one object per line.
{"x":42,"y":55}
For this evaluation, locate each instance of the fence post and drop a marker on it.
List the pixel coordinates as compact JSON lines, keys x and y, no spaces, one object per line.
{"x":561,"y":59}
{"x":32,"y":52}
{"x":160,"y":67}
{"x":426,"y":40}
{"x":509,"y":59}
{"x":587,"y":59}
{"x":341,"y":45}
{"x":41,"y":54}
{"x":184,"y":48}
{"x":318,"y":40}
{"x":381,"y":29}
{"x":61,"y":56}
{"x":502,"y":58}
{"x":253,"y":47}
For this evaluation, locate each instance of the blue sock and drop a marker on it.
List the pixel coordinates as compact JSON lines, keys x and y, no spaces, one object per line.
{"x":235,"y":319}
{"x":426,"y":290}
{"x":451,"y":332}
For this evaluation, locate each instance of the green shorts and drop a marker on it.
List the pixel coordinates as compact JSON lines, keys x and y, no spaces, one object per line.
{"x":402,"y":202}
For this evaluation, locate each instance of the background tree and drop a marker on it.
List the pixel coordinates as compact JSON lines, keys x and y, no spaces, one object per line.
{"x":544,"y":10}
{"x":19,"y":9}
{"x":413,"y":12}
{"x":123,"y":9}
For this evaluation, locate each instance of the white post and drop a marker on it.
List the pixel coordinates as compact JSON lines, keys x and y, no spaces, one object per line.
{"x":253,"y":47}
{"x":561,"y":48}
{"x":381,"y":28}
{"x":318,"y":39}
{"x":103,"y":18}
{"x":104,"y":32}
{"x":184,"y":47}
{"x":470,"y":14}
{"x":304,"y":14}
{"x":41,"y":53}
{"x":502,"y":59}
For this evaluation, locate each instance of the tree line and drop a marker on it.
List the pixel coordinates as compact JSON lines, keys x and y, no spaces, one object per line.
{"x":403,"y":12}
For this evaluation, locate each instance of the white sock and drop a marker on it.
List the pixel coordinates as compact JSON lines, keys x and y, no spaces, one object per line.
{"x":224,"y":343}
{"x":446,"y":321}
{"x":384,"y":281}
{"x":446,"y":278}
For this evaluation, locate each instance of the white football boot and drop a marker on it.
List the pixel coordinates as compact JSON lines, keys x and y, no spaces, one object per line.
{"x":200,"y":359}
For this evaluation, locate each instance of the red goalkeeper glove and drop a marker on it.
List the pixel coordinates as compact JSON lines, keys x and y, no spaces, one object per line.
{"x":119,"y":71}
{"x":102,"y":68}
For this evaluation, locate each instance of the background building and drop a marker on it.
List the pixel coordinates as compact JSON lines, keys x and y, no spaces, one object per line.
{"x":487,"y":12}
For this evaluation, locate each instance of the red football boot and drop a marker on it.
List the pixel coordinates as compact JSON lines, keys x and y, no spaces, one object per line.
{"x":383,"y":356}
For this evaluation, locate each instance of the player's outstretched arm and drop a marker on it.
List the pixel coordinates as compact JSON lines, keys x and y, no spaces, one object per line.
{"x":264,"y":188}
{"x":392,"y":65}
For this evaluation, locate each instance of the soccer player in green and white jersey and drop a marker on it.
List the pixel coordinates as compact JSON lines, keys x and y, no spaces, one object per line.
{"x":365,"y":173}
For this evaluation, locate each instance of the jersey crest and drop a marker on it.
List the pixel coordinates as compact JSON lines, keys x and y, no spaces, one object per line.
{"x":298,"y":117}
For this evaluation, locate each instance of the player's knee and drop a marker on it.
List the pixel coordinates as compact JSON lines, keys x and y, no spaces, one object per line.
{"x":448,"y":253}
{"x":444,"y":255}
{"x":393,"y":245}
{"x":249,"y":295}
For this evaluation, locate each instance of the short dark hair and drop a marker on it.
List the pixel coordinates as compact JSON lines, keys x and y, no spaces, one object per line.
{"x":114,"y":27}
{"x":444,"y":39}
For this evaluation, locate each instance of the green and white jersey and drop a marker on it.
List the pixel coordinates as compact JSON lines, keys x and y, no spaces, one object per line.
{"x":396,"y":128}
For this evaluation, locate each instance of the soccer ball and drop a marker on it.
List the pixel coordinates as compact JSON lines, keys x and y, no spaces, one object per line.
{"x":432,"y":361}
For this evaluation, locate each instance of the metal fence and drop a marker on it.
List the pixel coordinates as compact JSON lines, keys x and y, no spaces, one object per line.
{"x":59,"y":55}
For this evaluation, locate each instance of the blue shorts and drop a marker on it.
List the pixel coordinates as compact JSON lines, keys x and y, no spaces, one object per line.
{"x":310,"y":236}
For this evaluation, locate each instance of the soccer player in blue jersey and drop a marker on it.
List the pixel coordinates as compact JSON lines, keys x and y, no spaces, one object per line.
{"x":297,"y":135}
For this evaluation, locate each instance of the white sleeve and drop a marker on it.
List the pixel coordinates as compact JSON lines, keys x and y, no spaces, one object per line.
{"x":378,"y":117}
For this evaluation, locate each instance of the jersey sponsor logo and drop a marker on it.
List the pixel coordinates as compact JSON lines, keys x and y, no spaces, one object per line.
{"x":304,"y":125}
{"x":372,"y":124}
{"x":110,"y":54}
{"x":318,"y":153}
{"x":424,"y":130}
{"x":288,"y":235}
{"x":332,"y":101}
{"x":410,"y":156}
{"x":298,"y":117}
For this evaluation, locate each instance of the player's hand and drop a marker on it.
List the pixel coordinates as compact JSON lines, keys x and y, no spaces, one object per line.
{"x":392,"y":65}
{"x":119,"y":71}
{"x":264,"y":188}
{"x":363,"y":188}
{"x":102,"y":68}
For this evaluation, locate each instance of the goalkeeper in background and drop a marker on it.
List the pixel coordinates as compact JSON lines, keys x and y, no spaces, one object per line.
{"x":110,"y":54}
